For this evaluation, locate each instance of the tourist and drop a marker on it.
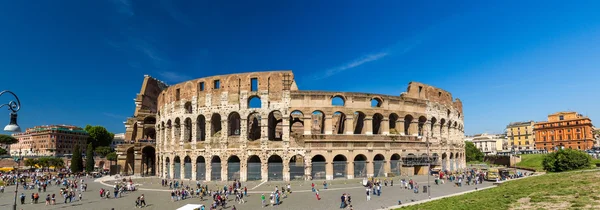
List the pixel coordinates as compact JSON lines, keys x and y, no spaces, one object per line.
{"x":317,"y":193}
{"x":262,"y":198}
{"x":343,"y":201}
{"x":142,"y":201}
{"x":289,"y":188}
{"x":368,"y":194}
{"x":48,"y":199}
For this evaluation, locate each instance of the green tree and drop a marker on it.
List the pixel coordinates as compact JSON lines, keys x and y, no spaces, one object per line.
{"x":3,"y":151}
{"x":89,"y":158}
{"x":30,"y":162}
{"x":566,"y":160}
{"x":57,"y":162}
{"x":472,"y":153}
{"x":103,"y":151}
{"x":7,"y":139}
{"x":99,"y":136}
{"x":111,"y":156}
{"x":76,"y":160}
{"x":44,"y":162}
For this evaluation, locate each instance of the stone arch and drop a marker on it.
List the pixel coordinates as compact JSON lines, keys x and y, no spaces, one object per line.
{"x":188,"y":107}
{"x":275,"y":126}
{"x":318,"y":122}
{"x":395,"y":164}
{"x":433,"y":121}
{"x":215,"y":125}
{"x":376,"y":102}
{"x":134,"y":134}
{"x":444,"y":161}
{"x":177,"y":130}
{"x":359,"y":122}
{"x":392,"y":123}
{"x":215,"y":165}
{"x":254,"y":125}
{"x":442,"y":124}
{"x":340,"y":166}
{"x":407,"y":122}
{"x":422,"y":121}
{"x":338,"y":100}
{"x":187,"y":129}
{"x":377,"y":120}
{"x":168,"y":164}
{"x":168,"y":133}
{"x":254,"y":102}
{"x":200,"y":168}
{"x":297,"y":122}
{"x":378,"y":165}
{"x":233,"y":124}
{"x":296,"y":165}
{"x":200,"y":128}
{"x":339,"y":122}
{"x":318,"y":163}
{"x":148,"y":161}
{"x":275,"y":167}
{"x":254,"y":168}
{"x":187,"y":167}
{"x":360,"y":166}
{"x":130,"y":161}
{"x":177,"y":167}
{"x":233,"y":168}
{"x":149,"y":133}
{"x":149,"y":120}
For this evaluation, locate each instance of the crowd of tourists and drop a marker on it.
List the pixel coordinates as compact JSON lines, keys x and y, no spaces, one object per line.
{"x":71,"y":186}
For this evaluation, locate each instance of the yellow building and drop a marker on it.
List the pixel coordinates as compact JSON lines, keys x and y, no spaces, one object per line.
{"x":520,"y":136}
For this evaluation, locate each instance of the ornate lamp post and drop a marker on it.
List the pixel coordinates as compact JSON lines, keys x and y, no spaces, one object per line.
{"x":12,"y":126}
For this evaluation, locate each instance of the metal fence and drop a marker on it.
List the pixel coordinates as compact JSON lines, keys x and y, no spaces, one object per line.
{"x":395,"y":167}
{"x":177,"y":171}
{"x":296,"y":171}
{"x":254,"y":172}
{"x":233,"y":171}
{"x":318,"y":170}
{"x":187,"y":170}
{"x":200,"y":171}
{"x":215,"y":174}
{"x":378,"y":170}
{"x":275,"y":171}
{"x":452,"y":164}
{"x":339,"y":169}
{"x":360,"y":169}
{"x":168,"y":170}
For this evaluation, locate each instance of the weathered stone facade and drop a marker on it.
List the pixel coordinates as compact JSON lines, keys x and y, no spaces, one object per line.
{"x":259,"y":126}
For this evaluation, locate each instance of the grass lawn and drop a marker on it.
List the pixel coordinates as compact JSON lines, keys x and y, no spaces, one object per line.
{"x":532,"y":161}
{"x":569,"y":190}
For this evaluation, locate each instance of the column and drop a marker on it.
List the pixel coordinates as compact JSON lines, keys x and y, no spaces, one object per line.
{"x":171,"y":167}
{"x":224,"y":174}
{"x":349,"y":125}
{"x":436,"y":130}
{"x":328,"y":125}
{"x":387,"y":168}
{"x":350,"y":170}
{"x":243,"y":129}
{"x":286,"y":170}
{"x":182,"y":168}
{"x":400,"y":126}
{"x":224,"y":129}
{"x":244,"y":169}
{"x":264,"y":169}
{"x":137,"y":163}
{"x":208,"y":165}
{"x":308,"y":168}
{"x":194,"y":135}
{"x":370,"y":168}
{"x":194,"y":166}
{"x":208,"y":128}
{"x":329,"y":170}
{"x":264,"y":127}
{"x":368,"y":125}
{"x":427,"y":129}
{"x":307,"y":125}
{"x":385,"y":126}
{"x":414,"y":128}
{"x":285,"y":128}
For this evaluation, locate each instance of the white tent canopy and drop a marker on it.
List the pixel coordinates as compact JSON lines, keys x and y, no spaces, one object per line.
{"x":191,"y":207}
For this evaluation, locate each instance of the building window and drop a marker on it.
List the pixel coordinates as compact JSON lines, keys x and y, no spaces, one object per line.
{"x":201,"y":86}
{"x":216,"y":84}
{"x":562,"y":117}
{"x":578,"y":136}
{"x":254,"y":84}
{"x":177,"y":94}
{"x":552,"y":138}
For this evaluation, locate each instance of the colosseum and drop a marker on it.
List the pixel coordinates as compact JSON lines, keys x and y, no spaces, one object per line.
{"x":260,"y":126}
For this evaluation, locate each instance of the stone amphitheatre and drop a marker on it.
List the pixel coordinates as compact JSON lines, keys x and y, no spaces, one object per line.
{"x":260,"y":126}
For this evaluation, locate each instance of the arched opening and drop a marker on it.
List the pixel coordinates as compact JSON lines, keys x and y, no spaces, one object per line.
{"x":130,"y":162}
{"x":338,"y":101}
{"x":168,"y":171}
{"x":435,"y":159}
{"x":433,"y":121}
{"x":360,"y":166}
{"x":187,"y":167}
{"x":200,"y":168}
{"x":234,"y":124}
{"x":254,"y":126}
{"x":101,"y":165}
{"x":275,"y":168}
{"x":149,"y":161}
{"x":177,"y":130}
{"x":376,"y":102}
{"x":296,"y":123}
{"x":318,"y":167}
{"x":442,"y":124}
{"x":134,"y":134}
{"x":187,"y":130}
{"x":149,"y":120}
{"x":392,"y":122}
{"x":275,"y":126}
{"x":444,"y":160}
{"x":422,"y":121}
{"x":254,"y":102}
{"x":318,"y":122}
{"x":149,"y":133}
{"x":339,"y":167}
{"x":188,"y":107}
{"x":233,"y":168}
{"x":377,"y":119}
{"x":451,"y":161}
{"x":339,"y":122}
{"x":407,"y":122}
{"x":200,"y":128}
{"x":254,"y":168}
{"x":168,"y":139}
{"x":297,"y":167}
{"x":215,"y":165}
{"x":215,"y":125}
{"x":395,"y":164}
{"x":378,"y":165}
{"x":177,"y":168}
{"x":359,"y":122}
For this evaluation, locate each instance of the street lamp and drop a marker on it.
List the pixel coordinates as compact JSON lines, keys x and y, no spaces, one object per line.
{"x":12,"y":126}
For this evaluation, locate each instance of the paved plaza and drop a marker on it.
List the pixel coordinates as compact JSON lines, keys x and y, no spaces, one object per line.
{"x":158,"y":197}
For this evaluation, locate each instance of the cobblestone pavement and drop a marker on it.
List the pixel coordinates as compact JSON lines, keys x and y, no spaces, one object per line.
{"x":158,"y":197}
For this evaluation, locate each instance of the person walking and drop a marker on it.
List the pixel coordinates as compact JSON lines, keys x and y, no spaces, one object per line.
{"x":142,"y":201}
{"x":317,"y":193}
{"x":262,"y":198}
{"x":368,"y":194}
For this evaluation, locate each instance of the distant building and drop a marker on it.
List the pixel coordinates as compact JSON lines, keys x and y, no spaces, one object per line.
{"x":520,"y":136}
{"x":49,"y":140}
{"x":488,"y":143}
{"x":118,"y":139}
{"x":564,"y":130}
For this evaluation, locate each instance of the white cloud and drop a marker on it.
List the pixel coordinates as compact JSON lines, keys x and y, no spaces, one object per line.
{"x":170,"y":76}
{"x":353,"y":64}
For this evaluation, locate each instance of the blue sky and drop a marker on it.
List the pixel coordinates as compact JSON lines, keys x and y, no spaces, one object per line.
{"x":82,"y":62}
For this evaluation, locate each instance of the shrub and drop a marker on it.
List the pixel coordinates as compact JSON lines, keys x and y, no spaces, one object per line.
{"x":566,"y":160}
